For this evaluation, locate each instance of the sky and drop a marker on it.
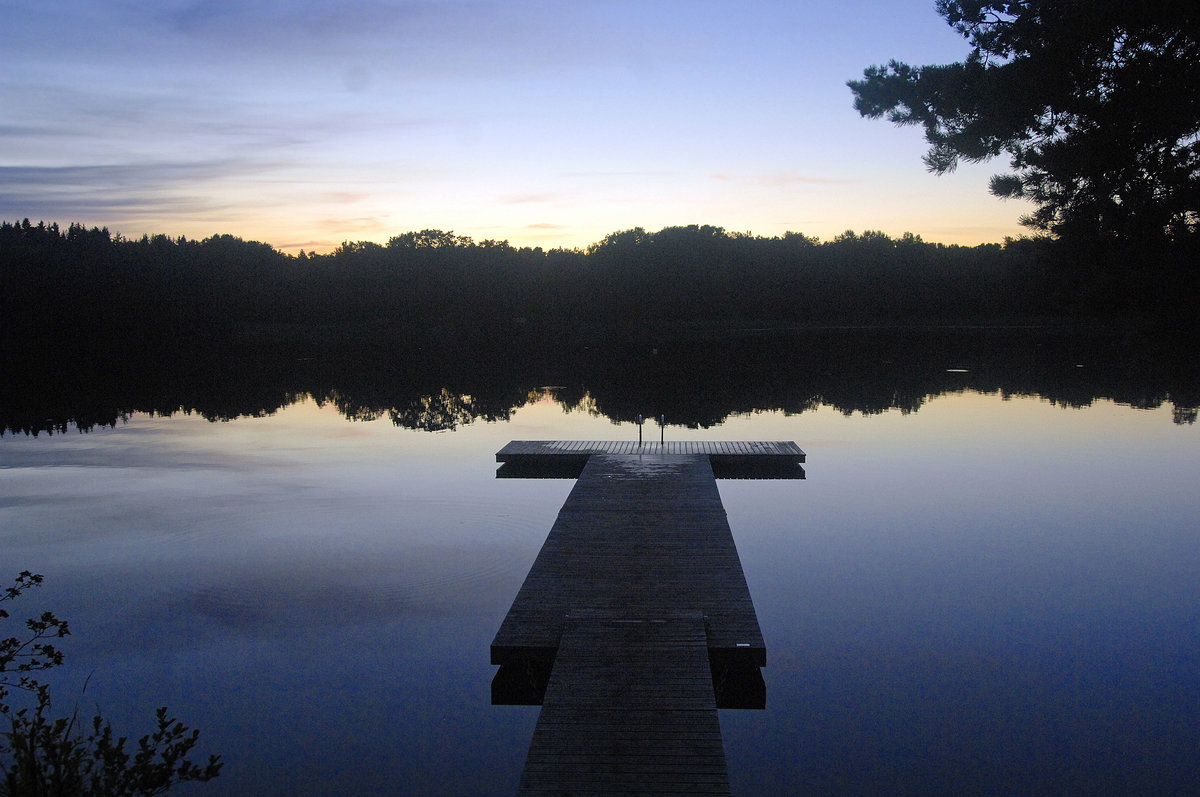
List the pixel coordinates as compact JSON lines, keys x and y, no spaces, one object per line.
{"x":305,"y":124}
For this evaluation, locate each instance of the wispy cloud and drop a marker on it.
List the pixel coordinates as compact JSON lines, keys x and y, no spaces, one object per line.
{"x":236,"y":20}
{"x":782,"y":179}
{"x":168,"y":212}
{"x":32,"y":131}
{"x":163,"y":190}
{"x":313,"y":245}
{"x":416,"y":39}
{"x":351,"y":224}
{"x":110,"y":176}
{"x":342,"y":197}
{"x":527,"y":199}
{"x":619,"y":174}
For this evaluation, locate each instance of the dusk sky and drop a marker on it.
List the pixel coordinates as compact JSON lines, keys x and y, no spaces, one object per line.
{"x":305,"y":124}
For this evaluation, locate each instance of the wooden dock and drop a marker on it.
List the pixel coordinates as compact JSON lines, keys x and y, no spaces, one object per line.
{"x":629,"y":709}
{"x":635,"y":622}
{"x":732,"y":459}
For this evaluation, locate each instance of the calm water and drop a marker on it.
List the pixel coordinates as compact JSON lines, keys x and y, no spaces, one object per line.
{"x":983,"y":596}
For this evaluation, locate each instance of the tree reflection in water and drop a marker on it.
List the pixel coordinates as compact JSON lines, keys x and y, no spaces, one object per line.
{"x":696,"y":384}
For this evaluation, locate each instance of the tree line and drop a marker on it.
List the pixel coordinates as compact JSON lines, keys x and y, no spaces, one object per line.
{"x":90,"y":286}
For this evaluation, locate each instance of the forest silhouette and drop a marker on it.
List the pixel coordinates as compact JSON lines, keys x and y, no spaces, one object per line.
{"x":435,"y":330}
{"x":69,"y":287}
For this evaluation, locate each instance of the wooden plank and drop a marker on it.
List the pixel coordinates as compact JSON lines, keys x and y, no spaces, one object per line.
{"x":629,"y":710}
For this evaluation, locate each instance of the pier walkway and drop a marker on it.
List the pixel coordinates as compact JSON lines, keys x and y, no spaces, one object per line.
{"x":635,"y":622}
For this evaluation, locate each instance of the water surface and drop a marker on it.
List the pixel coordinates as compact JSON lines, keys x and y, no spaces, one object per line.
{"x":988,"y":595}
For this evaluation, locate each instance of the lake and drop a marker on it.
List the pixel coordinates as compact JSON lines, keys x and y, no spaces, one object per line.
{"x":977,"y":589}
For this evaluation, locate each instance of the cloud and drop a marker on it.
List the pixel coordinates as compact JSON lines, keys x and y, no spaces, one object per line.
{"x":113,"y":122}
{"x":166,"y":190}
{"x":343,"y":197}
{"x":237,"y":20}
{"x":782,"y":179}
{"x":351,"y":224}
{"x":110,"y":209}
{"x":32,"y":131}
{"x":619,"y":174}
{"x":545,"y":225}
{"x":416,"y":39}
{"x":368,"y":48}
{"x":118,"y":175}
{"x":313,"y":246}
{"x":527,"y":199}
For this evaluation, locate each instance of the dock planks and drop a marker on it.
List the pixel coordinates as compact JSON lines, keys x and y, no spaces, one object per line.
{"x":643,"y":534}
{"x":629,"y":709}
{"x":636,"y":599}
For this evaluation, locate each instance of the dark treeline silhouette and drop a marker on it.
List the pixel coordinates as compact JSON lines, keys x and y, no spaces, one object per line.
{"x":436,"y":330}
{"x":696,"y":384}
{"x":80,"y":286}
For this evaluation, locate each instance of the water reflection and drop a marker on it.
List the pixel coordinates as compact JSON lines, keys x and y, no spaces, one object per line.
{"x":697,"y":384}
{"x":984,"y":596}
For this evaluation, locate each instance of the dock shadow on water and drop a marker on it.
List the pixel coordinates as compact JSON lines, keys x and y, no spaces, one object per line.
{"x":635,"y":623}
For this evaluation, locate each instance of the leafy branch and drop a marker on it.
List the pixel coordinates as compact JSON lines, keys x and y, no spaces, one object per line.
{"x":45,"y":756}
